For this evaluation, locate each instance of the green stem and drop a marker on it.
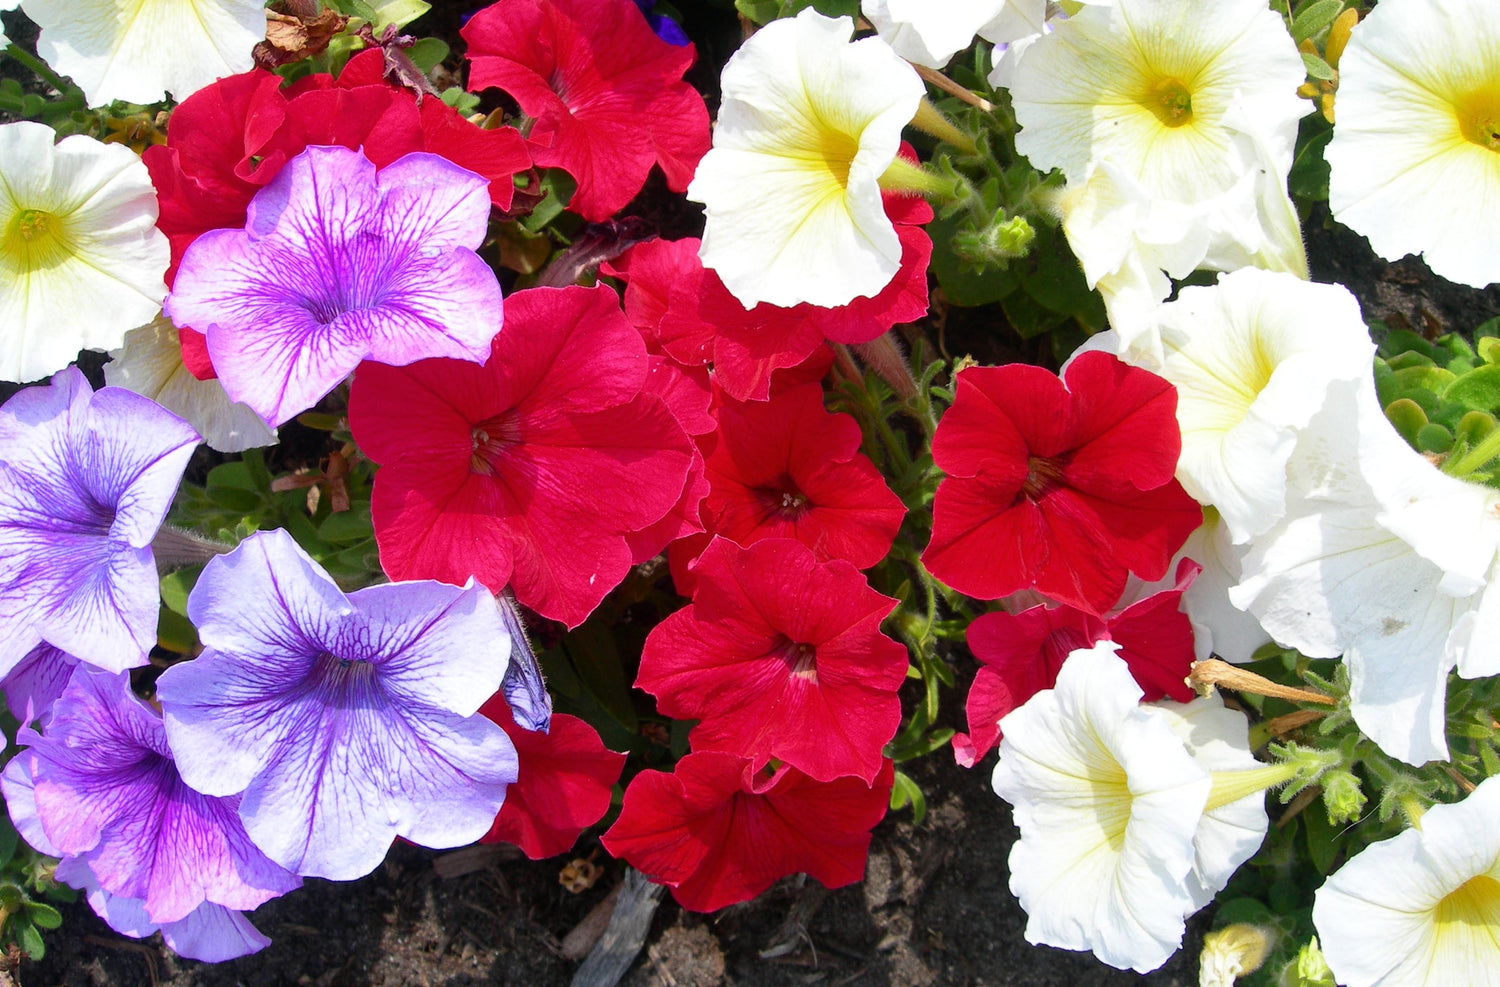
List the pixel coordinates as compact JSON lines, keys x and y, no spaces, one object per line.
{"x":41,"y":68}
{"x":1488,"y":448}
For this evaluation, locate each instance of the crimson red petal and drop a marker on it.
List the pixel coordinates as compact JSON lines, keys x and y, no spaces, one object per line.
{"x":606,"y":93}
{"x":780,"y":656}
{"x":564,"y":783}
{"x":716,"y":838}
{"x":1156,"y":639}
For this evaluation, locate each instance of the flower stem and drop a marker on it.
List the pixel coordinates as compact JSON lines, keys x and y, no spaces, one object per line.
{"x":1488,"y":448}
{"x":903,"y":176}
{"x":41,"y":68}
{"x":932,"y":122}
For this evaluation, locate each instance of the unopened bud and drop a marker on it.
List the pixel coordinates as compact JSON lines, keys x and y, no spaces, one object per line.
{"x":1309,"y":969}
{"x":1232,"y":952}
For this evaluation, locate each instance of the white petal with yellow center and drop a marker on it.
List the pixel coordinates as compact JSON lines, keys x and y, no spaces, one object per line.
{"x":808,"y":125}
{"x":1422,"y":908}
{"x":136,"y":50}
{"x":1252,"y":359}
{"x":150,"y":363}
{"x":1107,"y":799}
{"x":81,"y":260}
{"x":1415,"y":157}
{"x":1148,"y":85}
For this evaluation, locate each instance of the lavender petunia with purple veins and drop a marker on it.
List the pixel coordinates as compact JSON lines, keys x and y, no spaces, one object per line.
{"x":108,"y":792}
{"x":345,"y":720}
{"x":338,"y":263}
{"x":210,"y":932}
{"x":85,"y":480}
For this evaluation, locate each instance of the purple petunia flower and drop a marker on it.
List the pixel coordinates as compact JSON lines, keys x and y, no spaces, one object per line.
{"x":85,"y":480}
{"x":32,"y":687}
{"x":667,"y":29}
{"x":345,"y":720}
{"x":524,"y":687}
{"x":338,"y":263}
{"x":210,"y":932}
{"x":107,"y":791}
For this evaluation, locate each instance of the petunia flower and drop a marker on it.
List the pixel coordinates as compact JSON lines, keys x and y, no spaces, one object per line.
{"x":1414,"y":163}
{"x":780,"y":656}
{"x":1252,"y":359}
{"x":1131,"y":818}
{"x":683,"y":309}
{"x":531,"y":471}
{"x":605,"y":94}
{"x":33,"y":685}
{"x":231,"y":139}
{"x":210,"y":932}
{"x":137,"y":51}
{"x":81,"y":260}
{"x":344,"y":721}
{"x":930,"y":33}
{"x":1385,"y":560}
{"x":717,"y":833}
{"x":786,"y":468}
{"x":1148,"y":85}
{"x":566,"y":777}
{"x":338,"y":263}
{"x":1062,"y":486}
{"x":1020,"y":655}
{"x":85,"y":480}
{"x":1419,"y":908}
{"x":808,"y":125}
{"x":108,"y":792}
{"x":150,"y":364}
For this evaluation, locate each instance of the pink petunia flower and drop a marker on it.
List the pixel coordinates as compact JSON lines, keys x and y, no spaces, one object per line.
{"x":717,"y":833}
{"x":605,"y":93}
{"x":1020,"y":655}
{"x":1059,"y":487}
{"x":531,"y":471}
{"x":780,"y":656}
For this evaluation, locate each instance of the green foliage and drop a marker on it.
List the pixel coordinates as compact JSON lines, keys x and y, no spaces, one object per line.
{"x":1443,"y":395}
{"x":765,"y":11}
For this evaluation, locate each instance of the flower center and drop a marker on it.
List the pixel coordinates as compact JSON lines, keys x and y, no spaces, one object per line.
{"x":1041,"y":475}
{"x":1472,"y":908}
{"x":1170,"y":101}
{"x":35,"y":240}
{"x":490,"y":438}
{"x":783,"y":500}
{"x":1478,"y":116}
{"x":801,"y":660}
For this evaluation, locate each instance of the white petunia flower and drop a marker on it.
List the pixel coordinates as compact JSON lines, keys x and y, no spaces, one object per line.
{"x":1422,"y":908}
{"x":134,"y":50}
{"x":1415,"y":157}
{"x":1252,"y":359}
{"x":81,"y":259}
{"x":1386,"y":560}
{"x":150,"y":363}
{"x":1132,"y":817}
{"x":808,"y":125}
{"x":930,"y":32}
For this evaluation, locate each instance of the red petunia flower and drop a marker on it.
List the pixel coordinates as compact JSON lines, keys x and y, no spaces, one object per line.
{"x":1020,"y":655}
{"x":564,"y":784}
{"x":780,"y":656}
{"x":717,"y":833}
{"x":605,"y":93}
{"x":1061,"y":489}
{"x":786,"y":468}
{"x":531,"y":471}
{"x":684,"y":308}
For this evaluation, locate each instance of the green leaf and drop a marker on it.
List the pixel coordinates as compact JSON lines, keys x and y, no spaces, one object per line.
{"x":460,"y":99}
{"x":176,"y":585}
{"x":398,"y":12}
{"x":965,"y":285}
{"x":1308,"y":178}
{"x":560,"y":187}
{"x":347,"y":527}
{"x":43,"y":915}
{"x":1316,"y":67}
{"x":1028,"y":316}
{"x":1314,"y":18}
{"x":1479,"y":389}
{"x":597,"y":659}
{"x":175,"y":632}
{"x":426,"y":53}
{"x":233,"y":476}
{"x":1322,"y":842}
{"x":9,"y":840}
{"x":905,"y":792}
{"x":30,"y":941}
{"x":1434,"y":438}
